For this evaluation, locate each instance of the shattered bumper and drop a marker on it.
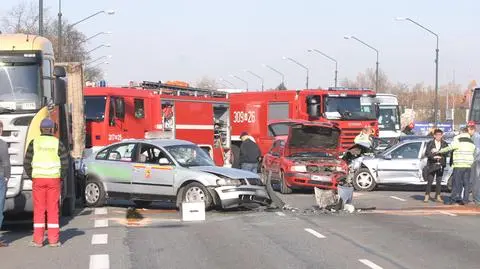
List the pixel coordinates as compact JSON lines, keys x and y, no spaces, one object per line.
{"x":232,"y":196}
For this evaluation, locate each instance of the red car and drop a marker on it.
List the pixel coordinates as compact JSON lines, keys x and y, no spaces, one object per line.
{"x":307,"y":157}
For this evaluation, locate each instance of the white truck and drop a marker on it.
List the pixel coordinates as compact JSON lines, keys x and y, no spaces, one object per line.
{"x":389,"y":123}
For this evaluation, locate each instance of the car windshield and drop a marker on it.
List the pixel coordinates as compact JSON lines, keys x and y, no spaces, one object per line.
{"x":95,"y":108}
{"x":190,"y":155}
{"x":389,"y":119}
{"x":19,"y":86}
{"x":348,"y":108}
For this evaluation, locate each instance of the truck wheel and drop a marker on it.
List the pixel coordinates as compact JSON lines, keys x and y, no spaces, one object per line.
{"x":236,"y":156}
{"x":283,"y":185}
{"x":94,"y":193}
{"x":196,"y":192}
{"x":68,"y":204}
{"x":142,"y":204}
{"x":363,"y":180}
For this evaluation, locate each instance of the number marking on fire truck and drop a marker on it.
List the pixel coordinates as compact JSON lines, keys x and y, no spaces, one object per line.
{"x":241,"y":116}
{"x":112,"y":137}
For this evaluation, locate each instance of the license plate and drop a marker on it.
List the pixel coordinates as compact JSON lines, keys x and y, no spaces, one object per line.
{"x":320,"y":178}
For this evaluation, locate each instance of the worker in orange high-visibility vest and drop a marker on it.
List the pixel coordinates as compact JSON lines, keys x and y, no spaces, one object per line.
{"x":46,"y":163}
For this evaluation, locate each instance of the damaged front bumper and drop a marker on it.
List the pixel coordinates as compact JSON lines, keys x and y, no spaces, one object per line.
{"x":311,"y":180}
{"x":233,"y":196}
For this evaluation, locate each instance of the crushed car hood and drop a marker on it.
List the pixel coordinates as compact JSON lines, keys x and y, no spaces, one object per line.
{"x":225,"y":171}
{"x":326,"y":161}
{"x":313,"y":137}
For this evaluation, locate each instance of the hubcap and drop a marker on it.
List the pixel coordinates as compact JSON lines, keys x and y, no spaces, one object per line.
{"x":195,"y":194}
{"x":92,"y":193}
{"x":364,"y":180}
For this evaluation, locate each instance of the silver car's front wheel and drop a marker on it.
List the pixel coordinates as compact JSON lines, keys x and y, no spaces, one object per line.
{"x":363,"y":180}
{"x":94,"y":193}
{"x":196,"y":192}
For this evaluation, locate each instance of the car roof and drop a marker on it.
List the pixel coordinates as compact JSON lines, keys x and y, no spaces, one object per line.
{"x":157,"y":142}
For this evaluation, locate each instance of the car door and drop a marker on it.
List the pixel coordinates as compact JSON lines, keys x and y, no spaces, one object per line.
{"x":115,"y":167}
{"x":401,"y":165}
{"x":153,"y":173}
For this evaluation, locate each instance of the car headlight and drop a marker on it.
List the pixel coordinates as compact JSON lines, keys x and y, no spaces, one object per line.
{"x":228,"y":182}
{"x":298,"y":168}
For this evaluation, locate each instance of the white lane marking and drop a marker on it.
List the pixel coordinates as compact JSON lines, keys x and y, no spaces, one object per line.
{"x":448,"y":213}
{"x":101,"y":223}
{"x":315,"y":233}
{"x":398,"y":198}
{"x":370,"y":264}
{"x":100,"y":261}
{"x":281,"y":214}
{"x":101,"y":211}
{"x":99,"y":239}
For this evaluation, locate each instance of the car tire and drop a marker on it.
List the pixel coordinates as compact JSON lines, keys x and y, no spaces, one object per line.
{"x":236,"y":156}
{"x":195,"y":192}
{"x":142,"y":204}
{"x":284,"y":189}
{"x":94,"y":193}
{"x":363,"y":180}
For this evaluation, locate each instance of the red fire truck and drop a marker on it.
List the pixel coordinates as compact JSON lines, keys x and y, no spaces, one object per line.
{"x":252,"y":112}
{"x":157,"y":110}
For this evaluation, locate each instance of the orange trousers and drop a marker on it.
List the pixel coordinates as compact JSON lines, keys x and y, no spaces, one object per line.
{"x":46,"y":196}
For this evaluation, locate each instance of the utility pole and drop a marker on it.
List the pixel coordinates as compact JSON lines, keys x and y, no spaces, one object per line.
{"x":59,"y":30}
{"x":40,"y":17}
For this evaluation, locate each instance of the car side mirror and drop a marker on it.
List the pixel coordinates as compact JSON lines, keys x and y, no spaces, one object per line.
{"x":387,"y":157}
{"x":163,"y":161}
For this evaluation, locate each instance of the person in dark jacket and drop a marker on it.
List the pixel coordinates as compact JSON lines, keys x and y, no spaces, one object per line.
{"x":5,"y":170}
{"x":46,"y":163}
{"x":435,"y":164}
{"x":249,"y":153}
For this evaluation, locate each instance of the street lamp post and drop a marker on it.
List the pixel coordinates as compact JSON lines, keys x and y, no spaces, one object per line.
{"x":59,"y":34}
{"x":100,"y":64}
{"x":40,"y":17}
{"x":276,"y":71}
{"x":299,"y":64}
{"x":100,"y":46}
{"x":241,"y":79}
{"x":436,"y":62}
{"x":228,"y":82}
{"x":255,"y":75}
{"x":99,"y":58}
{"x":325,"y":55}
{"x":95,"y":35}
{"x":376,"y":51}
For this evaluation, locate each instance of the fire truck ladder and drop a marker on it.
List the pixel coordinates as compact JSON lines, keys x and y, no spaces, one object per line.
{"x":182,"y":91}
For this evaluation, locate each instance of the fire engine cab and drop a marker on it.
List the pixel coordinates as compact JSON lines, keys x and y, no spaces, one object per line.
{"x":253,"y":111}
{"x":157,"y":110}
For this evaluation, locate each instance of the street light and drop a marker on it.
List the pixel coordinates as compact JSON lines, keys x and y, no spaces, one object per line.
{"x":99,"y":58}
{"x":325,"y":55}
{"x":255,"y":75}
{"x":100,"y":64}
{"x":228,"y":82}
{"x":103,"y":45}
{"x":276,"y":71}
{"x":59,"y":30}
{"x":241,"y":79}
{"x":436,"y":61}
{"x":95,"y":35}
{"x":376,"y":69}
{"x":299,"y":64}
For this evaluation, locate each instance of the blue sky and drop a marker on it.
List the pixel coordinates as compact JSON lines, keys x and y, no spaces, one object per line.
{"x":188,"y":39}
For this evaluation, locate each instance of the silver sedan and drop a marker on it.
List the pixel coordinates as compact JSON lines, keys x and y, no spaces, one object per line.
{"x":402,"y":164}
{"x":167,"y":169}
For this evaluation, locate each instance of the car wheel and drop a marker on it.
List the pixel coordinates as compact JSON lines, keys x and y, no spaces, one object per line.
{"x":283,"y":185}
{"x":363,"y":180}
{"x":142,"y":204}
{"x":196,"y":192}
{"x":94,"y":193}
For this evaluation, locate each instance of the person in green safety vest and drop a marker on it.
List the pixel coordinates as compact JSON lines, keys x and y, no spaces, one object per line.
{"x":365,"y":137}
{"x":46,"y":163}
{"x":463,"y":156}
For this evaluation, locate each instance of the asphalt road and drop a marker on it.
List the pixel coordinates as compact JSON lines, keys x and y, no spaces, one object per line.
{"x":402,"y":232}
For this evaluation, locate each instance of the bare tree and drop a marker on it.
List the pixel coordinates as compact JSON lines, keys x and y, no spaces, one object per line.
{"x":281,"y":87}
{"x":207,"y":83}
{"x":367,"y":80}
{"x":23,"y":18}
